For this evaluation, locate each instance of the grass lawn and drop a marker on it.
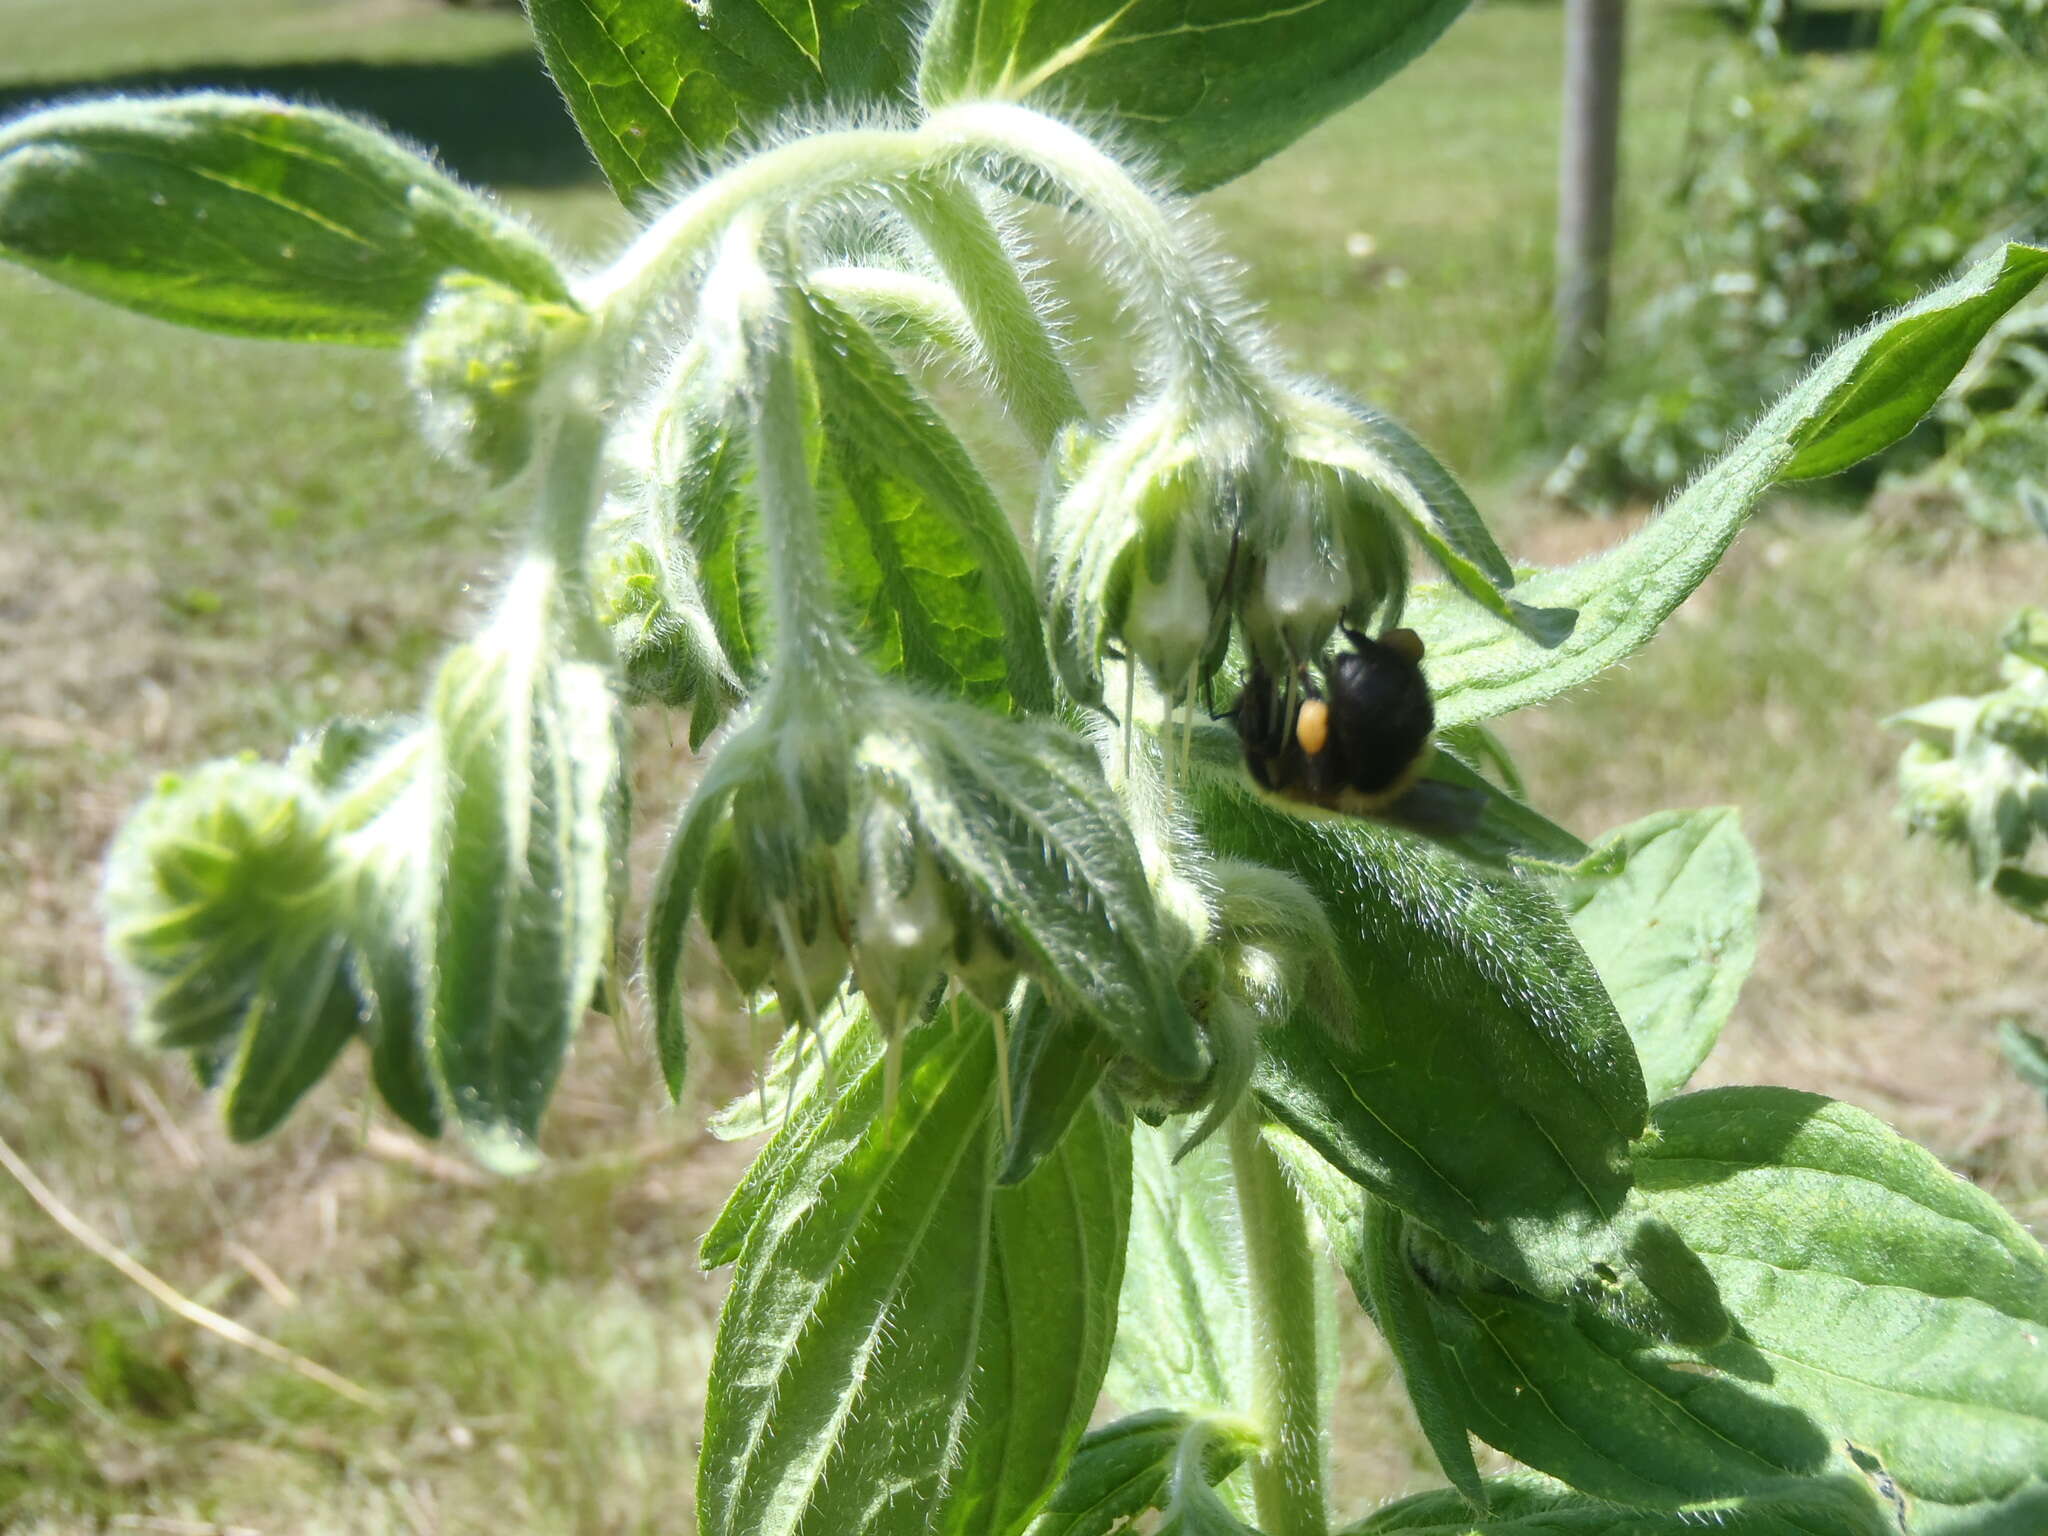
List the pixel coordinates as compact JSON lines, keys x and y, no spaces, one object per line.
{"x":207,"y":545}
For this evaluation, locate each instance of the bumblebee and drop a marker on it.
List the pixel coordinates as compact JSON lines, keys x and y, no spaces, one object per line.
{"x":1356,"y":741}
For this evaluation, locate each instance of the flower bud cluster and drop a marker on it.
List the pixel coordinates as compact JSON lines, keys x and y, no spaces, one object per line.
{"x":803,"y":913}
{"x":476,"y":362}
{"x":1159,"y":538}
{"x":1976,"y":774}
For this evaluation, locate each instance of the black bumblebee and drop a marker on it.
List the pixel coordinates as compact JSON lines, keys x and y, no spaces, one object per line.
{"x":1355,"y":742}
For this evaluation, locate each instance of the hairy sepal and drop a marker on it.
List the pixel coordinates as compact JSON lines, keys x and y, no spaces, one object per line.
{"x":1019,"y":817}
{"x":527,"y":831}
{"x":245,"y":215}
{"x":920,"y":1352}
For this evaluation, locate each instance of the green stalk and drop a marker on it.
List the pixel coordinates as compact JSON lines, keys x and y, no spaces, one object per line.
{"x":1035,"y":385}
{"x":817,"y":166}
{"x":1201,"y":348}
{"x":1287,"y":1476}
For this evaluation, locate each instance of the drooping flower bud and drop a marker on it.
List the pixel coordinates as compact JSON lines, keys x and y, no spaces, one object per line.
{"x":902,"y":930}
{"x":209,"y":880}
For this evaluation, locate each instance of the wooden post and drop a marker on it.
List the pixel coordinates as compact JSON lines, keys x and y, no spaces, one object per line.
{"x":1589,"y":154}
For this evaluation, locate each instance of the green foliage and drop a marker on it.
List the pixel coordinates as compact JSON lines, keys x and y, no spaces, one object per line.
{"x":249,"y":216}
{"x":656,"y":93}
{"x":1819,"y":195}
{"x":1666,"y":909}
{"x":1481,"y":668}
{"x":1000,"y":922}
{"x":1975,"y":775}
{"x":1880,"y":1305}
{"x":927,"y":1354}
{"x":1149,"y":67}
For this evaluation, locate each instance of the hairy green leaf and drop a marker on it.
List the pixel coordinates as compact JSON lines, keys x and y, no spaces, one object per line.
{"x":1123,"y":1469}
{"x":1209,"y":90}
{"x":1056,"y":1060}
{"x":245,"y":215}
{"x":1019,"y":816}
{"x":658,"y":88}
{"x":1863,"y":396}
{"x":1184,"y":1341}
{"x":906,"y":1348}
{"x":1886,"y":1319}
{"x":526,"y":832}
{"x":928,"y":559}
{"x":295,"y":1028}
{"x":1666,"y":909}
{"x":1524,"y":1506}
{"x":1398,"y":1308}
{"x":1483,"y":1083}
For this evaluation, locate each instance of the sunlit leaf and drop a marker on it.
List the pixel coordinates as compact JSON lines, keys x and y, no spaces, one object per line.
{"x":1209,"y":91}
{"x":1886,"y":1321}
{"x":657,"y":88}
{"x":1863,"y":396}
{"x":920,"y":542}
{"x":526,"y":831}
{"x":906,"y":1348}
{"x":245,"y":215}
{"x":1666,"y":909}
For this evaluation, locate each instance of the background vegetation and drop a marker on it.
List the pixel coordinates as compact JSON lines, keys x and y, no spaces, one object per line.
{"x":543,"y":1343}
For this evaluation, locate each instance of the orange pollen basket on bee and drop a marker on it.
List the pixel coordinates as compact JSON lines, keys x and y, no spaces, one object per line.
{"x":1312,"y":726}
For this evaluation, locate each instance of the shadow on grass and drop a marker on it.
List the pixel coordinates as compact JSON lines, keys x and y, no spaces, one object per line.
{"x":495,"y":119}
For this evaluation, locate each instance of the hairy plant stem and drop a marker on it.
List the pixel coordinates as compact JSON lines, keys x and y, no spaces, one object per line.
{"x":1018,"y":349}
{"x":1201,"y":352}
{"x":1287,"y":1475}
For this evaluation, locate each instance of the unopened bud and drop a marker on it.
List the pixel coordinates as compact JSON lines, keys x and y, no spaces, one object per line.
{"x":476,"y":363}
{"x":903,"y":930}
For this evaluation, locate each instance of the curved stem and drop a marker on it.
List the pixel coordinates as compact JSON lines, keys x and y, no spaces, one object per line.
{"x":820,"y":165}
{"x":1199,"y":342}
{"x":1287,"y":1476}
{"x":803,"y":596}
{"x":1015,"y":343}
{"x":903,"y":307}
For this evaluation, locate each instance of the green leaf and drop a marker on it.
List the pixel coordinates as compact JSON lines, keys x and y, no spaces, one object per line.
{"x":245,"y":215}
{"x":1184,"y":1341}
{"x":1666,"y":909}
{"x":1403,"y":1318}
{"x":1483,"y":1084}
{"x":1208,"y":92}
{"x":1056,"y":1060}
{"x":884,"y":1283}
{"x":658,"y":88}
{"x":1867,"y":393}
{"x":1524,"y":1506}
{"x":930,"y":562}
{"x":526,"y":832}
{"x":294,"y":1029}
{"x":2026,"y":1052}
{"x":1125,"y":1468}
{"x":1886,"y":1320}
{"x":1019,"y":816}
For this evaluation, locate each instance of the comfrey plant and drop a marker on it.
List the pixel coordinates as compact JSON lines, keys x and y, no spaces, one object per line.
{"x":1103,"y":1021}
